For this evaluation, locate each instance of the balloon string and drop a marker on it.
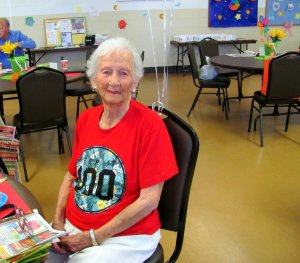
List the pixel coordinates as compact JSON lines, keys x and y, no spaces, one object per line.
{"x":10,"y":15}
{"x":154,"y":55}
{"x":165,"y":55}
{"x":167,"y":37}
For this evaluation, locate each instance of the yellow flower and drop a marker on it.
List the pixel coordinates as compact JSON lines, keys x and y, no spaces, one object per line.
{"x":276,"y":35}
{"x":8,"y":47}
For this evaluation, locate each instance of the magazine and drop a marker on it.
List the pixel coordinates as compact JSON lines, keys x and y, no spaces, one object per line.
{"x":7,"y":132}
{"x":14,"y":241}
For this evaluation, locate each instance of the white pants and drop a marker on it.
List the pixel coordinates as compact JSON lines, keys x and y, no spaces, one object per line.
{"x":125,"y":249}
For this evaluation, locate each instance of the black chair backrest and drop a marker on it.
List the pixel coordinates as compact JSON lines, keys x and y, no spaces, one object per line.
{"x":193,"y":64}
{"x":175,"y":195}
{"x":41,"y":94}
{"x":284,"y":76}
{"x":208,"y":47}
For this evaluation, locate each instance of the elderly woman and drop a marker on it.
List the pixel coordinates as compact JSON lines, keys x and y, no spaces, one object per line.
{"x":121,"y":157}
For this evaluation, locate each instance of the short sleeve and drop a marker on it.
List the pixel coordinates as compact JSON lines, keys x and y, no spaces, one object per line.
{"x":157,"y":161}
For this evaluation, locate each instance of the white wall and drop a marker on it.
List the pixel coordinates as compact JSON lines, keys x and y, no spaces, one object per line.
{"x":42,"y":7}
{"x":191,"y":17}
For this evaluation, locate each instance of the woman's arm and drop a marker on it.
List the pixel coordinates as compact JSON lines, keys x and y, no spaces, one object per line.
{"x":144,"y":205}
{"x":64,"y":191}
{"x":59,"y":217}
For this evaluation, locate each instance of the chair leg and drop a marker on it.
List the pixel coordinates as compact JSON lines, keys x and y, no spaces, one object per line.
{"x":250,"y":117}
{"x":261,"y":127}
{"x":66,"y":129}
{"x":84,"y":101}
{"x":240,"y":83}
{"x":77,"y":107}
{"x":195,"y":101}
{"x":78,"y":104}
{"x":60,"y":141}
{"x":288,"y":118}
{"x":23,"y":159}
{"x":224,"y":103}
{"x":227,"y":101}
{"x":219,"y":96}
{"x":1,"y":106}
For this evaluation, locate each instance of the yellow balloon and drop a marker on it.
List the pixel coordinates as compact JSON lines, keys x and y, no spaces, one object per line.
{"x":116,"y":7}
{"x":161,"y":16}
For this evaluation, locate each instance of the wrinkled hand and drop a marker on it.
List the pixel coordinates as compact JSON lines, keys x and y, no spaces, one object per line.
{"x":75,"y":243}
{"x":57,"y":246}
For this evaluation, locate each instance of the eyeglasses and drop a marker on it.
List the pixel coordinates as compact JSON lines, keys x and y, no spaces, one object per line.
{"x":23,"y":222}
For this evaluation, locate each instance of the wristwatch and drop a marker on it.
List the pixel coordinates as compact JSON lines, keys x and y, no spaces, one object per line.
{"x":92,"y":236}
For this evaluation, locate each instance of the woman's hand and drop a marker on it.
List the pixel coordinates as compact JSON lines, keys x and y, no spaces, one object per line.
{"x":57,"y":246}
{"x":75,"y":243}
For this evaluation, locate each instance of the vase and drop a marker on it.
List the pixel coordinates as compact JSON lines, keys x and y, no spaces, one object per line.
{"x":270,"y":48}
{"x":18,"y":63}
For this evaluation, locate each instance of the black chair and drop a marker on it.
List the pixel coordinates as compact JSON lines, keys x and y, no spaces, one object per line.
{"x":97,"y":99}
{"x":175,"y":194}
{"x":209,"y":47}
{"x":220,"y":84}
{"x":42,"y":102}
{"x":283,"y":89}
{"x":81,"y":88}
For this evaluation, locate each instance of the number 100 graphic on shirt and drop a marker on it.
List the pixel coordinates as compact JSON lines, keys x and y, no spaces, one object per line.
{"x":101,"y":180}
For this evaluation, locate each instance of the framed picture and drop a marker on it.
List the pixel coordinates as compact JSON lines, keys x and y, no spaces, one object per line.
{"x":232,"y":13}
{"x":279,"y":12}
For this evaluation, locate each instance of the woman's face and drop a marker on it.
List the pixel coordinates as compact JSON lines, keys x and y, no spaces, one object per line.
{"x":114,"y":79}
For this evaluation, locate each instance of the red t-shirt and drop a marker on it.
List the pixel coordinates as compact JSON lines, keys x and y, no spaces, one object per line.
{"x":112,"y":166}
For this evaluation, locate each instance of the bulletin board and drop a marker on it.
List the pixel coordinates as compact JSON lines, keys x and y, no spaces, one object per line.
{"x":232,"y":13}
{"x":279,"y":12}
{"x":64,"y":32}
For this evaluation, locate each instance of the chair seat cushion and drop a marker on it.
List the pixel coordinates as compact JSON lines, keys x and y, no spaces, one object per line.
{"x":37,"y":126}
{"x":218,"y":82}
{"x":261,"y":99}
{"x":157,"y":256}
{"x":78,"y":89}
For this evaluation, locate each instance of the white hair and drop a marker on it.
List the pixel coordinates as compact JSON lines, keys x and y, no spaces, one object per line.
{"x":107,"y":47}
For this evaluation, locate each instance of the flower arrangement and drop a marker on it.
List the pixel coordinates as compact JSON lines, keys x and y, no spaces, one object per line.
{"x":273,"y":36}
{"x":276,"y":35}
{"x":8,"y":48}
{"x":17,"y":62}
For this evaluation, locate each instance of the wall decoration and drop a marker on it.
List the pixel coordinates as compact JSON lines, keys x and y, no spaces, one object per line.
{"x":68,"y":31}
{"x":232,"y":13}
{"x":29,"y":21}
{"x":122,"y":24}
{"x":279,"y":12}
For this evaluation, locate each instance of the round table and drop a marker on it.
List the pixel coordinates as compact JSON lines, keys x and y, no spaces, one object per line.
{"x":8,"y":87}
{"x":251,"y":65}
{"x":25,"y":194}
{"x":240,"y":62}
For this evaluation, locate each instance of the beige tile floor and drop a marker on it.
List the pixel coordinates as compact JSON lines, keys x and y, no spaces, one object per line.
{"x":245,"y":200}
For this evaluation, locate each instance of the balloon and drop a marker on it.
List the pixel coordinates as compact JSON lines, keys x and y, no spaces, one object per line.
{"x":263,"y":25}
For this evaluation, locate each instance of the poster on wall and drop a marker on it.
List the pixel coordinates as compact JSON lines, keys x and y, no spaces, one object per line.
{"x":232,"y":13}
{"x":279,"y":12}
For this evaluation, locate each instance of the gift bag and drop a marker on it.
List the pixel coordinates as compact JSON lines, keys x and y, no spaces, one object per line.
{"x":208,"y":71}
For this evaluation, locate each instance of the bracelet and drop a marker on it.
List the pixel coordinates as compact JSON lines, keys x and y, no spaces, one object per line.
{"x":93,"y":239}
